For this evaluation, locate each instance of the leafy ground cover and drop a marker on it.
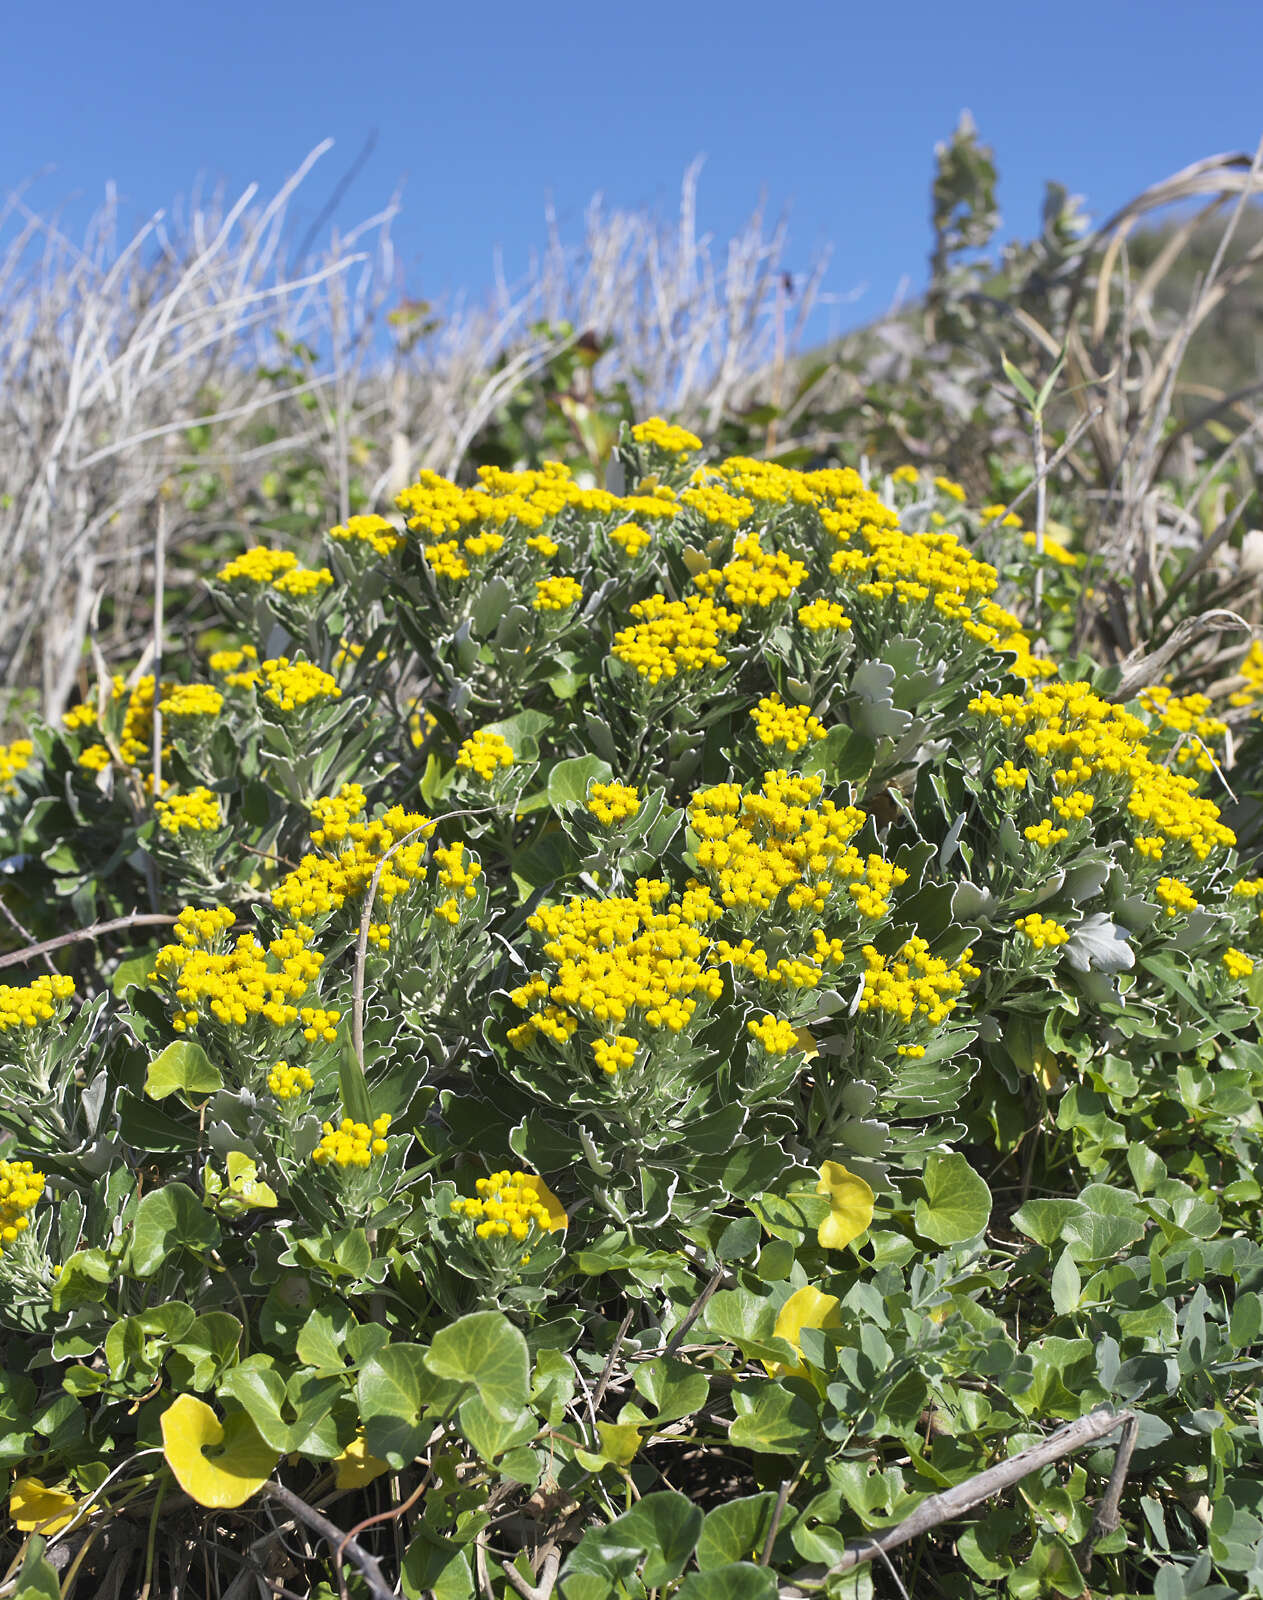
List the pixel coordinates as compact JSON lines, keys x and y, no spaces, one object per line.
{"x":676,"y":1026}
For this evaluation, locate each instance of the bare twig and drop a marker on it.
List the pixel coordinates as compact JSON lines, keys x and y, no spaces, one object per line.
{"x":143,"y":919}
{"x":965,"y":1497}
{"x":694,"y":1311}
{"x":1105,"y":1518}
{"x":369,"y":1567}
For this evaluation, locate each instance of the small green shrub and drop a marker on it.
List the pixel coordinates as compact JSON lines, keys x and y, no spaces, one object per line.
{"x":676,"y":1033}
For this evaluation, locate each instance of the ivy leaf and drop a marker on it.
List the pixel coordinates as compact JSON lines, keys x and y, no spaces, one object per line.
{"x":182,"y":1068}
{"x":850,"y":1206}
{"x":169,"y":1219}
{"x":738,"y":1580}
{"x":242,"y":1462}
{"x":957,"y":1202}
{"x":486,"y":1350}
{"x":32,"y":1507}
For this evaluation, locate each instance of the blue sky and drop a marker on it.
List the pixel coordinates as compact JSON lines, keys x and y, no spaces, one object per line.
{"x":489,"y":110}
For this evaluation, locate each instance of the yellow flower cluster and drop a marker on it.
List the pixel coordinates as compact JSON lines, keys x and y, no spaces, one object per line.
{"x":928,"y":574}
{"x":191,"y":700}
{"x":437,"y":509}
{"x":1189,"y":717}
{"x":301,"y":582}
{"x":321,"y":884}
{"x":238,"y":668}
{"x":630,"y":538}
{"x":1176,"y":896}
{"x":755,"y":576}
{"x":14,"y":758}
{"x":1008,"y":776}
{"x":673,"y":636}
{"x":336,"y":813}
{"x":234,"y":985}
{"x":715,"y":505}
{"x":613,"y":803}
{"x":817,"y":616}
{"x":136,"y":738}
{"x":194,"y":812}
{"x":791,"y":727}
{"x":1239,"y":964}
{"x":1045,"y":933}
{"x":777,"y":1036}
{"x":509,"y":1205}
{"x":459,"y":873}
{"x":1251,"y":669}
{"x":1045,"y":833}
{"x":666,"y":437}
{"x":557,"y":594}
{"x":20,"y":1189}
{"x":319,"y":1023}
{"x":1073,"y":807}
{"x":914,"y":984}
{"x":952,"y":490}
{"x":34,"y":1003}
{"x":616,"y":1054}
{"x":381,"y":537}
{"x":352,"y":1144}
{"x":1074,"y":741}
{"x":289,"y":685}
{"x":288,"y":1083}
{"x":639,"y":958}
{"x":484,"y":753}
{"x":1054,"y":549}
{"x":785,"y":839}
{"x":258,"y":565}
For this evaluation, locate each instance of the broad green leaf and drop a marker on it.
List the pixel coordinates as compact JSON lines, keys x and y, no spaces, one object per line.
{"x":393,"y":1389}
{"x":656,"y":1537}
{"x":739,"y":1580}
{"x":169,"y":1219}
{"x":37,"y":1579}
{"x":182,"y":1068}
{"x":490,"y":1433}
{"x":568,"y":781}
{"x":773,"y":1418}
{"x":734,"y":1530}
{"x":957,"y":1202}
{"x":486,"y":1350}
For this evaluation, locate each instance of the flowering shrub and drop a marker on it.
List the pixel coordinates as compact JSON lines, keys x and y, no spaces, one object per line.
{"x":676,"y":1033}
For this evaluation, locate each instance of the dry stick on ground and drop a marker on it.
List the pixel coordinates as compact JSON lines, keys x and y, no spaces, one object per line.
{"x":369,"y":1566}
{"x":141,"y":919}
{"x":965,"y":1497}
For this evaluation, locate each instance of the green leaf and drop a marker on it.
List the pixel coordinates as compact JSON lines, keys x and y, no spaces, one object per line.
{"x":490,"y":1433}
{"x":486,"y":1350}
{"x":957,"y":1202}
{"x":169,"y":1219}
{"x":734,"y":1530}
{"x":38,"y":1578}
{"x":182,"y":1068}
{"x":674,"y":1388}
{"x":393,"y":1389}
{"x":738,"y":1580}
{"x":656,"y":1536}
{"x":774,"y":1418}
{"x":568,"y":781}
{"x":1067,"y":1286}
{"x":352,"y":1083}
